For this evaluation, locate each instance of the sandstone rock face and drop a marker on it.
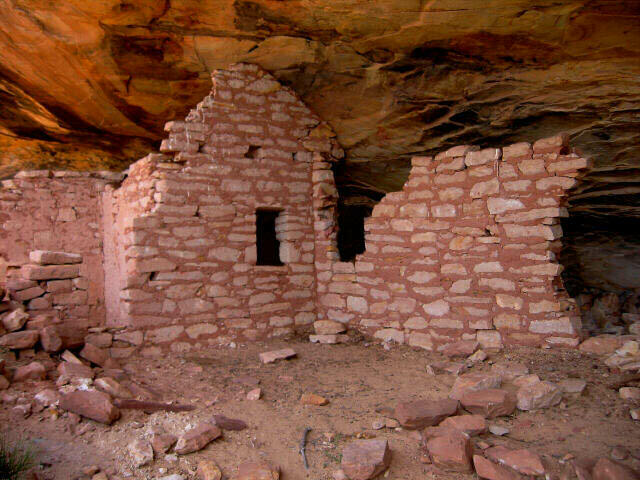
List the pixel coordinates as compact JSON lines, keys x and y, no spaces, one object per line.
{"x":365,"y":459}
{"x":91,"y":404}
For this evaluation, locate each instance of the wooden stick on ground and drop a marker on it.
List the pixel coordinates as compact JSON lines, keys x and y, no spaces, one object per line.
{"x":303,"y":447}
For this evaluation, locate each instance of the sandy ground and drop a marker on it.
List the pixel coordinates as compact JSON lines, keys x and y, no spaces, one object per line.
{"x":356,"y":378}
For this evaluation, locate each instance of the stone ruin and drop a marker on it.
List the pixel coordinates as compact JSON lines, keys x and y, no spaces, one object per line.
{"x":230,"y":234}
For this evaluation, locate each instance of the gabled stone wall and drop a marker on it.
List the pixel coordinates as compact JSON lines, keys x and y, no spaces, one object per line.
{"x":184,"y":261}
{"x":467,"y":250}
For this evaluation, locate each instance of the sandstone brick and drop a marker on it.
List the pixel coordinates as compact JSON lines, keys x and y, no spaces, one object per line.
{"x":451,"y":452}
{"x":45,"y":257}
{"x":91,"y":404}
{"x":489,"y":403}
{"x":19,"y":340}
{"x":36,"y":272}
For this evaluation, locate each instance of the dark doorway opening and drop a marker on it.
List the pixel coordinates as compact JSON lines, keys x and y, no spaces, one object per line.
{"x":351,"y":230}
{"x":268,"y":246}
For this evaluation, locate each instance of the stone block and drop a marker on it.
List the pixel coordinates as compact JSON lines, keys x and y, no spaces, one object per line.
{"x":365,"y":459}
{"x":91,"y":404}
{"x":50,"y":272}
{"x":46,"y":257}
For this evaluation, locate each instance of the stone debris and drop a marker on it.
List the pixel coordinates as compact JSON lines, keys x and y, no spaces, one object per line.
{"x":208,"y":470}
{"x":68,"y":370}
{"x":141,"y":452}
{"x":112,"y":387}
{"x":91,"y":404}
{"x":15,"y":320}
{"x":539,"y":395}
{"x":4,"y":383}
{"x":365,"y":459}
{"x":629,"y":393}
{"x":94,"y":354}
{"x":162,"y":442}
{"x":490,"y":471}
{"x":526,"y":380}
{"x":490,"y":403}
{"x":451,"y":451}
{"x":197,"y":438}
{"x":522,"y":461}
{"x":254,"y":394}
{"x":463,"y":348}
{"x":270,"y":357}
{"x":478,"y":357}
{"x":313,"y":399}
{"x":509,"y":371}
{"x":47,"y":397}
{"x":32,"y":371}
{"x":601,"y":344}
{"x":472,"y":382}
{"x":20,"y":340}
{"x":329,"y":339}
{"x":572,"y":385}
{"x":606,"y":469}
{"x":226,"y":423}
{"x":498,"y":430}
{"x":472,"y":425}
{"x":418,"y":414}
{"x":328,"y":327}
{"x":257,"y":471}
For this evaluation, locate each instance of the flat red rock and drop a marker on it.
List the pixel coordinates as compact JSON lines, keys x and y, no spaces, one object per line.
{"x":197,"y":438}
{"x":91,"y":404}
{"x":451,"y":452}
{"x":490,"y":403}
{"x":365,"y":459}
{"x":522,"y":461}
{"x":419,"y":414}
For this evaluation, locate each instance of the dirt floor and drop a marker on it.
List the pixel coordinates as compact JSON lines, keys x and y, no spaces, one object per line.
{"x":356,"y":378}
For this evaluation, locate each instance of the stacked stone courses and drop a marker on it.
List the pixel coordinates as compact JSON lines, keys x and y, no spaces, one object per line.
{"x":466,"y":250}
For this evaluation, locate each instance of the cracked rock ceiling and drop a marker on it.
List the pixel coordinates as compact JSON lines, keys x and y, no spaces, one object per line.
{"x":89,"y":84}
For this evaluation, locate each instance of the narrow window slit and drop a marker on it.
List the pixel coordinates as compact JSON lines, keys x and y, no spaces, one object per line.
{"x":267,"y":243}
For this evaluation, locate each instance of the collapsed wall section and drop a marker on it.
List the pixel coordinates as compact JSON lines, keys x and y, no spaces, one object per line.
{"x":56,"y":211}
{"x":185,"y":259}
{"x":466,"y":251}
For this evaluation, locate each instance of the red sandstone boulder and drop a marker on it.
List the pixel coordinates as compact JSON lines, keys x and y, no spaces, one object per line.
{"x":489,"y":470}
{"x":257,"y":471}
{"x":91,"y":404}
{"x":141,"y":452}
{"x":32,"y":371}
{"x":472,"y":382}
{"x":451,"y":452}
{"x":606,"y":469}
{"x":463,"y":348}
{"x":522,"y":461}
{"x":19,"y":340}
{"x":490,"y":403}
{"x":424,"y":413}
{"x":197,"y":438}
{"x":365,"y":459}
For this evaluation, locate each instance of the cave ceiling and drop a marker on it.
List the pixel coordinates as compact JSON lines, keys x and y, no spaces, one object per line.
{"x":89,"y":84}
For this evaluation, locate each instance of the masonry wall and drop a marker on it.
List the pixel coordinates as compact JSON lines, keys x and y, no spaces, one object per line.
{"x":467,"y":250}
{"x":59,"y":211}
{"x":184,"y":254}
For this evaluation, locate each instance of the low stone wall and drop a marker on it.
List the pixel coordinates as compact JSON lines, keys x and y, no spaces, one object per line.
{"x":467,"y":250}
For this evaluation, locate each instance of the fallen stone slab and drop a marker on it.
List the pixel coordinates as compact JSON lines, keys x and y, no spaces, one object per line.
{"x":365,"y":459}
{"x":91,"y":404}
{"x":15,"y":320}
{"x":208,"y":470}
{"x":490,"y":471}
{"x":231,"y":424}
{"x":539,"y":395}
{"x":20,"y":340}
{"x":328,"y":327}
{"x":472,"y":382}
{"x":94,"y":354}
{"x":32,"y":371}
{"x":141,"y":452}
{"x":463,"y":348}
{"x":47,"y":257}
{"x":572,"y":385}
{"x":63,"y":336}
{"x":70,"y":370}
{"x":162,"y":442}
{"x":451,"y":452}
{"x":197,"y":438}
{"x":52,"y":272}
{"x":509,"y":371}
{"x":606,"y":469}
{"x":522,"y":461}
{"x":270,"y":357}
{"x":490,"y":403}
{"x":601,"y":344}
{"x":418,"y":414}
{"x":46,"y":397}
{"x":470,"y":424}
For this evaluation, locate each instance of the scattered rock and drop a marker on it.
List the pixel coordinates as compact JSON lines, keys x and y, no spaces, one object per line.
{"x":526,"y":380}
{"x":606,"y":469}
{"x":472,"y":382}
{"x":463,"y":348}
{"x":20,"y":340}
{"x":50,"y":340}
{"x":572,"y":385}
{"x":15,"y":320}
{"x":629,"y":393}
{"x":141,"y":452}
{"x":32,"y":371}
{"x":94,"y":354}
{"x":490,"y":403}
{"x":498,"y":430}
{"x":539,"y":395}
{"x":339,"y":475}
{"x":313,"y":399}
{"x":113,"y":388}
{"x":207,"y":470}
{"x":254,"y":394}
{"x":479,"y":356}
{"x":328,"y":327}
{"x":270,"y":357}
{"x":635,"y":413}
{"x":509,"y":371}
{"x":619,"y":453}
{"x":451,"y":452}
{"x":74,"y":370}
{"x":47,"y":397}
{"x":91,"y":404}
{"x":365,"y":459}
{"x":197,"y":438}
{"x":601,"y":344}
{"x":489,"y":470}
{"x":329,"y":339}
{"x":523,"y":461}
{"x":162,"y":442}
{"x":419,"y":414}
{"x":226,"y":423}
{"x":4,"y":383}
{"x":470,"y":424}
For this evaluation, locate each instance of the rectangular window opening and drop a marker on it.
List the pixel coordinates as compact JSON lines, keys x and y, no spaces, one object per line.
{"x":268,"y":245}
